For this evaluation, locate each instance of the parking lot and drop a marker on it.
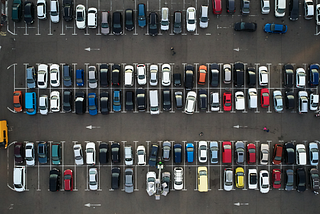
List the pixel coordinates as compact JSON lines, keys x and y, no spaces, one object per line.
{"x":62,"y":43}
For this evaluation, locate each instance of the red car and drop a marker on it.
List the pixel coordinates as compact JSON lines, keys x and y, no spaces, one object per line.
{"x":226,"y":152}
{"x":68,"y":180}
{"x":277,"y":154}
{"x":17,"y":101}
{"x":265,"y":98}
{"x":217,"y":6}
{"x":227,"y":103}
{"x":276,"y":178}
{"x":251,"y":153}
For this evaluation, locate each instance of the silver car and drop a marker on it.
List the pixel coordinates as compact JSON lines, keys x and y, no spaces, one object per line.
{"x":93,"y":178}
{"x":93,"y":82}
{"x":264,"y":154}
{"x":277,"y":101}
{"x":151,"y":183}
{"x":228,"y":179}
{"x":313,"y":153}
{"x":43,"y":104}
{"x":78,"y":155}
{"x":239,"y":152}
{"x":166,"y":148}
{"x":214,"y":151}
{"x":153,"y":75}
{"x":128,"y":180}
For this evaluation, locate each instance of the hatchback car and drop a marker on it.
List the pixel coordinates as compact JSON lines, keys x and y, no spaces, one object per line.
{"x":252,"y":179}
{"x":264,"y":181}
{"x":78,"y":155}
{"x":153,"y":75}
{"x":263,"y":76}
{"x":81,"y":16}
{"x":191,"y":19}
{"x":92,"y":104}
{"x":275,"y":28}
{"x":277,"y":101}
{"x":19,"y":152}
{"x":251,"y":153}
{"x":227,"y":74}
{"x":31,"y":77}
{"x":202,"y":151}
{"x":128,"y":180}
{"x":129,"y":23}
{"x":265,"y":6}
{"x":153,"y":24}
{"x":115,"y":178}
{"x":217,"y":6}
{"x":189,"y":152}
{"x":30,"y":154}
{"x":166,"y":151}
{"x":202,"y":72}
{"x":42,"y":76}
{"x":245,"y":26}
{"x":276,"y":178}
{"x":239,"y":152}
{"x":117,"y":23}
{"x":68,"y":180}
{"x":239,"y":177}
{"x":264,"y":154}
{"x":300,"y":78}
{"x":289,"y":180}
{"x":265,"y":98}
{"x":54,"y":11}
{"x":228,"y":179}
{"x":115,"y":152}
{"x":226,"y":152}
{"x":203,"y":99}
{"x":17,"y":101}
{"x":313,"y":153}
{"x":301,"y":180}
{"x":105,"y":23}
{"x":289,"y":153}
{"x":93,"y":178}
{"x":178,"y":98}
{"x":190,"y":102}
{"x":314,"y":102}
{"x":54,"y":75}
{"x":227,"y":101}
{"x":214,"y":152}
{"x":55,"y":101}
{"x":303,"y":102}
{"x":91,"y":153}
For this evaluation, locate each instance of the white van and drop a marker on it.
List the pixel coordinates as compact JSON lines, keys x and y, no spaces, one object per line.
{"x":19,"y":178}
{"x":92,"y":17}
{"x":128,"y":157}
{"x":252,"y":98}
{"x":301,"y":154}
{"x":128,"y":76}
{"x":280,"y":8}
{"x":154,"y":102}
{"x":240,"y":103}
{"x":204,"y":20}
{"x":165,"y":18}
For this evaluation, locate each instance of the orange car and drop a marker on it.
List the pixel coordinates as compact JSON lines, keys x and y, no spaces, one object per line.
{"x":202,"y":74}
{"x":17,"y":101}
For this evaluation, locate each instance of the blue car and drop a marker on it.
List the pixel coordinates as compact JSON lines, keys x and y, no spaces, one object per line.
{"x":142,"y":21}
{"x":177,"y":150}
{"x":93,"y":107}
{"x":314,"y":75}
{"x":275,"y":28}
{"x":116,"y":101}
{"x":189,"y":152}
{"x":80,"y":77}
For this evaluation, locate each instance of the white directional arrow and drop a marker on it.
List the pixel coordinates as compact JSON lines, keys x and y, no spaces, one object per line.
{"x":92,"y":205}
{"x":236,"y":49}
{"x":240,"y":204}
{"x":92,"y":49}
{"x":92,"y":127}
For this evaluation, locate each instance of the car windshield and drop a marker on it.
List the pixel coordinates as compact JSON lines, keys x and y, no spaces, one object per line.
{"x":202,"y":173}
{"x":140,"y":152}
{"x":240,"y":173}
{"x":191,"y":21}
{"x":164,"y":22}
{"x":67,"y":177}
{"x":92,"y":107}
{"x":79,"y":17}
{"x":151,"y":179}
{"x":104,"y":25}
{"x":153,"y":27}
{"x":189,"y":149}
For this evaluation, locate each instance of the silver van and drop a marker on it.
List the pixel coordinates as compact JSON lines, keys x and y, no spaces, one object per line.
{"x":165,"y":18}
{"x":105,"y":23}
{"x":154,"y":102}
{"x":128,"y":157}
{"x":280,"y":8}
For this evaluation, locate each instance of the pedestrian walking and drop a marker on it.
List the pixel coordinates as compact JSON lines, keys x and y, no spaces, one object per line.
{"x":201,"y":134}
{"x":172,"y":48}
{"x":265,"y":129}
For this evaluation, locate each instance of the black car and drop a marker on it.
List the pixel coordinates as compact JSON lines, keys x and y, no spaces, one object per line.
{"x":16,"y":10}
{"x":80,"y":102}
{"x":166,"y":100}
{"x":29,"y":12}
{"x":141,"y":99}
{"x":293,"y":10}
{"x":153,"y":24}
{"x":231,"y":6}
{"x":129,"y":101}
{"x":129,"y":23}
{"x":103,"y":152}
{"x":188,"y":82}
{"x":251,"y":76}
{"x":301,"y":180}
{"x":54,"y":180}
{"x":203,"y":99}
{"x":238,"y":74}
{"x":19,"y":153}
{"x":104,"y":79}
{"x":289,"y":153}
{"x":153,"y":155}
{"x":115,"y":152}
{"x":314,"y":179}
{"x":67,"y":75}
{"x":176,"y":79}
{"x":245,"y":26}
{"x":288,"y":75}
{"x":115,"y":178}
{"x":289,"y":100}
{"x":67,"y":10}
{"x":214,"y":70}
{"x":43,"y":152}
{"x":104,"y":103}
{"x":116,"y":69}
{"x":67,"y":101}
{"x":117,"y":23}
{"x":179,"y":99}
{"x":177,"y":22}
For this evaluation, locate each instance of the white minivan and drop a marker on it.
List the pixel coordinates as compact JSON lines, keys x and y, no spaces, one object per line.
{"x":239,"y":98}
{"x":19,"y":178}
{"x":128,"y":76}
{"x":252,"y":98}
{"x":154,"y":102}
{"x":92,"y":17}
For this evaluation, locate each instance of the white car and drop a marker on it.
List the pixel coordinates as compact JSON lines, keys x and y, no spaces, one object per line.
{"x":55,"y":101}
{"x":318,"y":14}
{"x":178,"y":178}
{"x":228,"y":179}
{"x":19,"y":178}
{"x":190,"y":102}
{"x":301,"y":154}
{"x":263,"y":76}
{"x":191,"y":19}
{"x":54,"y":11}
{"x":91,"y":153}
{"x":92,"y":17}
{"x":141,"y":155}
{"x":93,"y":82}
{"x":252,"y":179}
{"x":81,"y":16}
{"x":214,"y":101}
{"x":314,"y":102}
{"x":239,"y":100}
{"x":141,"y":74}
{"x":313,"y":153}
{"x":43,"y":104}
{"x":42,"y":75}
{"x":300,"y":78}
{"x":78,"y":156}
{"x":308,"y":9}
{"x":166,"y":74}
{"x":202,"y":151}
{"x":151,"y":183}
{"x":153,"y":75}
{"x":265,"y":6}
{"x":29,"y":154}
{"x":264,"y":181}
{"x":41,"y":9}
{"x":252,"y":98}
{"x":303,"y":102}
{"x":93,"y":178}
{"x":54,"y":75}
{"x":264,"y":154}
{"x":277,"y":101}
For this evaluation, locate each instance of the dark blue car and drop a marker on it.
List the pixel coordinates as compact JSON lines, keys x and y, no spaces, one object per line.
{"x":314,"y":75}
{"x":80,"y":77}
{"x":142,"y":21}
{"x":116,"y":101}
{"x":153,"y":155}
{"x":275,"y":28}
{"x":177,"y":150}
{"x":93,"y":107}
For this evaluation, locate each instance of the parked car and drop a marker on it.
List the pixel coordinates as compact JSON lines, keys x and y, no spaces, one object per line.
{"x":301,"y":154}
{"x":239,"y":177}
{"x":142,"y":15}
{"x":300,"y":78}
{"x":117,"y":23}
{"x":55,"y":101}
{"x":189,"y":152}
{"x":105,"y":23}
{"x":151,"y":183}
{"x":67,"y":101}
{"x":41,"y":9}
{"x":30,"y":154}
{"x":115,"y":177}
{"x":265,"y":98}
{"x":93,"y":81}
{"x":67,"y":7}
{"x":303,"y":102}
{"x":251,"y":76}
{"x":141,"y":99}
{"x":178,"y":178}
{"x":265,"y":6}
{"x":78,"y":155}
{"x":67,"y":75}
{"x":80,"y":102}
{"x":165,"y":183}
{"x":264,"y":181}
{"x":177,"y":24}
{"x":68,"y":180}
{"x":313,"y":153}
{"x":54,"y":180}
{"x":141,"y":155}
{"x":115,"y":152}
{"x":264,"y":154}
{"x":190,"y":102}
{"x":128,"y":180}
{"x":81,"y":16}
{"x":141,"y":74}
{"x":276,"y":178}
{"x":202,"y":151}
{"x":80,"y":77}
{"x":217,"y":6}
{"x":179,"y":99}
{"x":31,"y":76}
{"x":91,"y":153}
{"x":314,"y":179}
{"x":314,"y":75}
{"x":54,"y":11}
{"x":227,"y":74}
{"x":188,"y":83}
{"x":228,"y":179}
{"x":214,"y":70}
{"x":17,"y":101}
{"x":153,"y":156}
{"x":104,"y":103}
{"x":314,"y":102}
{"x":16,"y":12}
{"x":28,"y":12}
{"x":93,"y":178}
{"x":251,"y":153}
{"x":202,"y":72}
{"x":116,"y":69}
{"x":226,"y":152}
{"x":293,"y":10}
{"x":252,"y":179}
{"x":129,"y":22}
{"x":116,"y":101}
{"x":191,"y":19}
{"x":277,"y":101}
{"x":177,"y":152}
{"x":19,"y":152}
{"x":153,"y":24}
{"x":301,"y":180}
{"x":166,"y":74}
{"x":289,"y":153}
{"x":288,"y":75}
{"x":103,"y":152}
{"x":203,"y":100}
{"x":227,"y":101}
{"x":231,"y":6}
{"x":263,"y":76}
{"x":56,"y":153}
{"x":214,"y":152}
{"x":104,"y":75}
{"x":289,"y":180}
{"x":166,"y":95}
{"x":42,"y":76}
{"x":239,"y":152}
{"x":214,"y":101}
{"x":43,"y":157}
{"x":166,"y":150}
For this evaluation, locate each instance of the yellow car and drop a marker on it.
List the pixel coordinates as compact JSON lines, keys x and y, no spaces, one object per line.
{"x":202,"y":179}
{"x":239,"y":177}
{"x":4,"y":136}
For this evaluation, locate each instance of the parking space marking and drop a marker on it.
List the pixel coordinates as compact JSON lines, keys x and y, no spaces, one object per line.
{"x":184,"y":167}
{"x":220,"y":166}
{"x":269,"y":80}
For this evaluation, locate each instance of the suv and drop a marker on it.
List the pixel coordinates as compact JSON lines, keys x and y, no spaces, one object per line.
{"x":238,"y":74}
{"x":288,"y":75}
{"x":19,"y":178}
{"x":16,"y":10}
{"x":41,"y":9}
{"x":204,"y":13}
{"x":294,"y":10}
{"x":188,"y":83}
{"x":43,"y":152}
{"x":54,"y":180}
{"x":314,"y":75}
